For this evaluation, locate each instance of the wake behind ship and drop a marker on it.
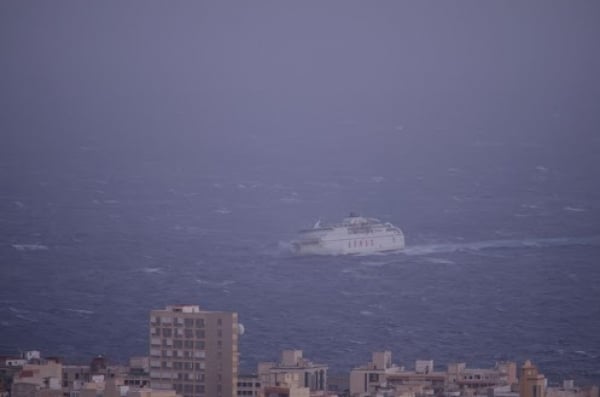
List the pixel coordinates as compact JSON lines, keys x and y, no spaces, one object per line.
{"x":355,"y":235}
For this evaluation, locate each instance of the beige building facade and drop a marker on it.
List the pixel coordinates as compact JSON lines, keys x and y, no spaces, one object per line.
{"x":531,"y":382}
{"x":248,"y":385}
{"x":287,"y":386}
{"x":367,"y":378}
{"x":381,"y":376}
{"x":194,"y":351}
{"x":295,"y":370}
{"x":38,"y":380}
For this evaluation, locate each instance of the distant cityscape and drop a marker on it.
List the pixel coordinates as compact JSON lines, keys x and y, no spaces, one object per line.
{"x":194,"y":353}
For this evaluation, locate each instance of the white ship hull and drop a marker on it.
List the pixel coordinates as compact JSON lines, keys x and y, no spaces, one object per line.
{"x":356,"y":235}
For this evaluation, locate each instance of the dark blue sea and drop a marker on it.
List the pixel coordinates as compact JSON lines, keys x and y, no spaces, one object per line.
{"x":501,"y":260}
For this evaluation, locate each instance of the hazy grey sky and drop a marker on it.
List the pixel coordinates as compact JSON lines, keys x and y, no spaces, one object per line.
{"x":386,"y":83}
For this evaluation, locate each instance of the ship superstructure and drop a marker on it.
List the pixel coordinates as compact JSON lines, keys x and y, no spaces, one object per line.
{"x":355,"y":235}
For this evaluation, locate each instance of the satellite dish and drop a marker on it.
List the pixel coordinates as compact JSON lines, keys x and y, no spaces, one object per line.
{"x":241,"y":329}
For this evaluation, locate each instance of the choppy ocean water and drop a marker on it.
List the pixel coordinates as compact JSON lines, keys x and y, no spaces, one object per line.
{"x":488,"y":274}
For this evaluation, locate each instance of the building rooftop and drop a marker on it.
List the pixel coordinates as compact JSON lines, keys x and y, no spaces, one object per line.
{"x":183,"y":308}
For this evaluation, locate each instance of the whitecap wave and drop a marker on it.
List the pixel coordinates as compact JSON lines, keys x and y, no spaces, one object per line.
{"x":215,"y":284}
{"x":373,"y":263}
{"x":79,"y":311}
{"x":280,"y":249}
{"x":357,"y":342}
{"x":324,"y":184}
{"x":378,"y":253}
{"x":574,"y":209}
{"x":23,"y":314}
{"x":290,"y":199}
{"x":441,"y":261}
{"x":496,"y":244}
{"x":152,"y":270}
{"x":30,"y":247}
{"x":530,"y":206}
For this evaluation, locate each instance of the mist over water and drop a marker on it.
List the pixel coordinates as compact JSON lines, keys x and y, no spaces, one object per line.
{"x":162,"y":155}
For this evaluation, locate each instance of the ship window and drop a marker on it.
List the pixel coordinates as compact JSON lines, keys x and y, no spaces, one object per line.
{"x":360,"y":243}
{"x":372,"y":243}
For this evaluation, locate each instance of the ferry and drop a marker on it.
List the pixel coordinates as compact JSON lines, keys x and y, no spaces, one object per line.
{"x":354,"y":235}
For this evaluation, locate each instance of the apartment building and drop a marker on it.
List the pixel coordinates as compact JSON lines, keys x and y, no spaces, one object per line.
{"x":248,"y":385}
{"x":305,"y":372}
{"x":365,"y":379}
{"x":194,"y":351}
{"x":531,"y":382}
{"x":380,"y":376}
{"x":38,"y":380}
